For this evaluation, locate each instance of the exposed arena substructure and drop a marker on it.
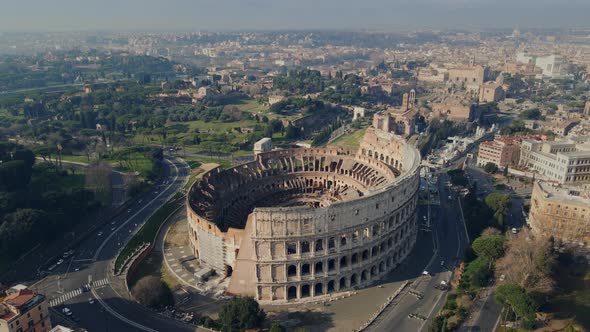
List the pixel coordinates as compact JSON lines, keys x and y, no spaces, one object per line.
{"x":304,"y":223}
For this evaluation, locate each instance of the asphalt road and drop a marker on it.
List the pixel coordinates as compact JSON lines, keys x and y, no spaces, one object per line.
{"x":92,"y":260}
{"x":447,"y":233}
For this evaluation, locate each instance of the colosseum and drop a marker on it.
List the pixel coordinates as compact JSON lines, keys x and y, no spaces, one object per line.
{"x":305,"y":223}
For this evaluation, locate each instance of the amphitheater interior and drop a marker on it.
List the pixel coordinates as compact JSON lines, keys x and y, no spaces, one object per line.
{"x":302,"y":224}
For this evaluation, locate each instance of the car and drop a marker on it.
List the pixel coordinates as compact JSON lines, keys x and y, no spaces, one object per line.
{"x":450,"y":197}
{"x":60,"y":261}
{"x":425,"y":273}
{"x":112,"y":228}
{"x":76,"y":269}
{"x":129,"y":211}
{"x":442,"y":263}
{"x":67,"y":311}
{"x":99,"y":233}
{"x":91,"y":300}
{"x":52,"y":267}
{"x":514,"y":230}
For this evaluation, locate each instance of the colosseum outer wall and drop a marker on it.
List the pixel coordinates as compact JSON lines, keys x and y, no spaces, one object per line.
{"x":290,"y":253}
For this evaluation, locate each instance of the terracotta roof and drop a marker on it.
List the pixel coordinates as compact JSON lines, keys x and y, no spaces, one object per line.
{"x":21,"y":297}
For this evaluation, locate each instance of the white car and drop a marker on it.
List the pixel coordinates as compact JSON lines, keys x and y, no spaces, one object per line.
{"x":91,"y":300}
{"x":67,"y":311}
{"x":99,"y":233}
{"x":60,"y":261}
{"x":514,"y":231}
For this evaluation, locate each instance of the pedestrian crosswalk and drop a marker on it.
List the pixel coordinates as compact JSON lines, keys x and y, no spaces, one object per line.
{"x":65,"y":297}
{"x":72,"y":294}
{"x":99,"y":283}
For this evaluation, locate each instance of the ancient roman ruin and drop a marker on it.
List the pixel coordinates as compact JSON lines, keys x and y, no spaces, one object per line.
{"x":300,"y":224}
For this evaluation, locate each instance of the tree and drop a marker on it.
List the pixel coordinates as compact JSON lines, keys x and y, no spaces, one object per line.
{"x":490,"y":168}
{"x":276,"y":328}
{"x":152,"y":292}
{"x":528,"y":262}
{"x":515,"y":298}
{"x":477,"y":274}
{"x":500,"y":204}
{"x":14,"y":175}
{"x":489,"y":247}
{"x":241,"y":313}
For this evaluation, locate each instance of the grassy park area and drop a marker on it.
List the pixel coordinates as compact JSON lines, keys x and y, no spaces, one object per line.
{"x":350,"y":140}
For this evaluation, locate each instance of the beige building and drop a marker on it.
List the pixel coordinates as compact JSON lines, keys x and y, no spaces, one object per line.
{"x":454,"y":109}
{"x":467,"y":75}
{"x":562,"y":212}
{"x":263,"y":145}
{"x":564,"y":161}
{"x":490,"y":92}
{"x":400,"y":121}
{"x":502,"y":151}
{"x":587,"y":108}
{"x":300,"y":224}
{"x":23,"y":310}
{"x":275,"y":99}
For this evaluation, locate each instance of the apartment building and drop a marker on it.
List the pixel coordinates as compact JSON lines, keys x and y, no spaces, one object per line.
{"x":564,"y":161}
{"x":23,"y":310}
{"x":502,"y":151}
{"x":562,"y":212}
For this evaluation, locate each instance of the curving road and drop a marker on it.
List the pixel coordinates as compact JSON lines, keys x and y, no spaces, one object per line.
{"x":447,"y":233}
{"x":93,"y":260}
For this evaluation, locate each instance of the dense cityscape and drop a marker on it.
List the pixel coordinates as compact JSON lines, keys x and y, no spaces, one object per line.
{"x":295,"y":180}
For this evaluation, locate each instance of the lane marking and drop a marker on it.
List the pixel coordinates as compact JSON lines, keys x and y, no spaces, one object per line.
{"x":108,"y":238}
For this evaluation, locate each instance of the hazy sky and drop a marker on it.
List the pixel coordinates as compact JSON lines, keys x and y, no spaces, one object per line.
{"x":288,"y":14}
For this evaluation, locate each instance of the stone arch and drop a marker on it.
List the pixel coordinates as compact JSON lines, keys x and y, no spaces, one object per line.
{"x":343,"y":262}
{"x":342,"y":283}
{"x":319,"y":245}
{"x":365,"y":255}
{"x":305,"y":291}
{"x":305,"y":247}
{"x":331,"y":264}
{"x":291,"y":271}
{"x":364,"y":275}
{"x":331,"y":287}
{"x":319,"y":267}
{"x":291,"y":293}
{"x":331,"y":243}
{"x":305,"y":269}
{"x":353,"y":280}
{"x":318,"y":289}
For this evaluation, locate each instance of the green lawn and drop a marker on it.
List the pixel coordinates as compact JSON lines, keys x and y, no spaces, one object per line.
{"x":74,"y":158}
{"x":251,"y":106}
{"x":212,"y":125}
{"x":134,"y":162}
{"x":148,"y":232}
{"x":350,"y":141}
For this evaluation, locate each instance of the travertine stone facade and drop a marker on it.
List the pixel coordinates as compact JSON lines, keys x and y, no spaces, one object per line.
{"x":304,"y":223}
{"x":562,"y":212}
